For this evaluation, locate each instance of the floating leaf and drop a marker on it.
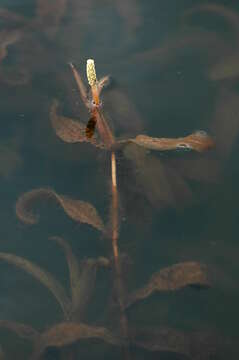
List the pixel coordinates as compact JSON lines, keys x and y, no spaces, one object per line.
{"x":172,"y":278}
{"x":69,"y":130}
{"x":68,"y":333}
{"x":22,"y":330}
{"x":77,"y":210}
{"x":198,"y":141}
{"x":43,"y":276}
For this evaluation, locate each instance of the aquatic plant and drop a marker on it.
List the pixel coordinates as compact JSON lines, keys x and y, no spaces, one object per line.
{"x":82,"y":275}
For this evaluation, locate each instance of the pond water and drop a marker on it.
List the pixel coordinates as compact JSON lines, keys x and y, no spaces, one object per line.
{"x":174,"y":71}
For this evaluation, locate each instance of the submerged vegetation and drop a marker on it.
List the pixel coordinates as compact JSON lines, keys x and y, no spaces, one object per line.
{"x":161,"y":185}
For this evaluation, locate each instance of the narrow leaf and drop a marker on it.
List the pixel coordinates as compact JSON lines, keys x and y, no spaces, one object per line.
{"x":81,"y":86}
{"x":103,"y":82}
{"x":41,"y":275}
{"x":74,"y":269}
{"x":83,"y":290}
{"x":22,"y":330}
{"x":82,"y":278}
{"x":172,"y":278}
{"x":77,"y":210}
{"x":69,"y":130}
{"x":198,"y":141}
{"x":68,"y":333}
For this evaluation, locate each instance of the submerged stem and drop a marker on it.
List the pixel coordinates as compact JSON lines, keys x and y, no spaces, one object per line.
{"x":118,"y":270}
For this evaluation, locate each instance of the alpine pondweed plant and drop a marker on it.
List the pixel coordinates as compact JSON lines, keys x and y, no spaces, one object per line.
{"x":82,"y":279}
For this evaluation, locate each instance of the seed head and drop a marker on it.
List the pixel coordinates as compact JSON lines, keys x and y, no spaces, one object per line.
{"x":90,"y":71}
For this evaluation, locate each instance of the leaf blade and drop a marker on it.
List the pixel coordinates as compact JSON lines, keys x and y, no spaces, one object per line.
{"x":77,"y":210}
{"x":67,"y":333}
{"x":198,"y":141}
{"x":22,"y":330}
{"x":172,"y":278}
{"x":69,"y":130}
{"x":41,"y":275}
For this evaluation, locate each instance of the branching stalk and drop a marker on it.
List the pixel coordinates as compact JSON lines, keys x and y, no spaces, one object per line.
{"x":108,"y":140}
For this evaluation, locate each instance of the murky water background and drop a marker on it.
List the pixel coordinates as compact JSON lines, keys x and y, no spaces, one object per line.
{"x":173,"y":72}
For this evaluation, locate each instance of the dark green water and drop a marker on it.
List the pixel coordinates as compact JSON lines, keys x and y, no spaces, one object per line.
{"x":173,"y":72}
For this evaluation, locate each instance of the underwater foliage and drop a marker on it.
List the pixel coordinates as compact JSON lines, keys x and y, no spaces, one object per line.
{"x":160,"y":184}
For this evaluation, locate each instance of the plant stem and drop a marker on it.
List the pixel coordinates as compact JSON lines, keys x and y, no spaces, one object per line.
{"x":118,"y":271}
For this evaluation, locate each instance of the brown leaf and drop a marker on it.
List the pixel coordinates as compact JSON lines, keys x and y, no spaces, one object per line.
{"x":77,"y":210}
{"x":172,"y":278}
{"x":69,"y":130}
{"x":68,"y":333}
{"x":82,"y":278}
{"x":161,"y":339}
{"x":195,"y":345}
{"x":43,"y":276}
{"x":22,"y":330}
{"x":160,"y":184}
{"x":84,"y":289}
{"x":198,"y":141}
{"x":73,"y":265}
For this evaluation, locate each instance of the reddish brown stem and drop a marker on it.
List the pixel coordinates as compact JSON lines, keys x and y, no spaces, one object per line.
{"x":118,"y":271}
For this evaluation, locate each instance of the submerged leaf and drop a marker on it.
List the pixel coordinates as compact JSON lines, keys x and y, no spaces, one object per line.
{"x":77,"y":210}
{"x":22,"y":330}
{"x":73,"y":265}
{"x":69,"y":130}
{"x":198,"y":141}
{"x":86,"y":284}
{"x":43,"y":276}
{"x":161,"y":339}
{"x":172,"y":278}
{"x":82,"y":278}
{"x":159,"y":183}
{"x":68,"y":333}
{"x":195,"y":345}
